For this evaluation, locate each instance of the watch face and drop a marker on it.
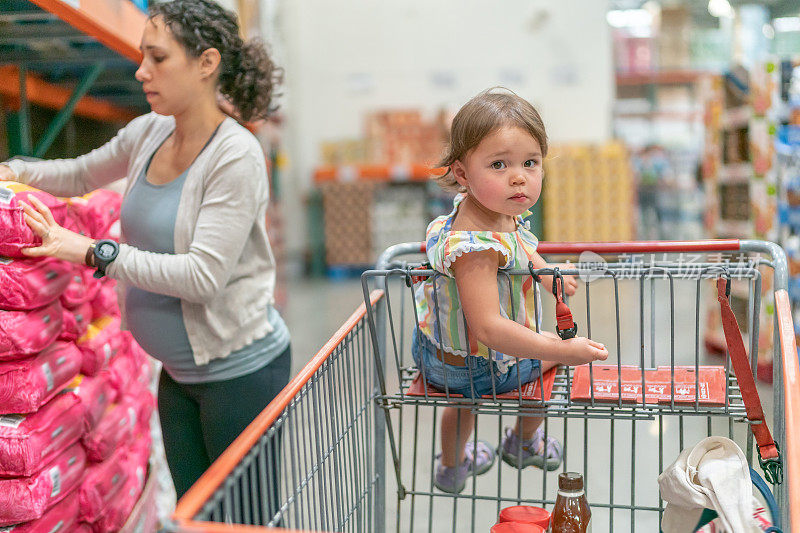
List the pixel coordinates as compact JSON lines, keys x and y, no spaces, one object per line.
{"x":105,"y":250}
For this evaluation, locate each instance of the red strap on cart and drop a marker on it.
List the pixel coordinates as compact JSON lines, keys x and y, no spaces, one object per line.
{"x":768,"y":453}
{"x":565,"y":325}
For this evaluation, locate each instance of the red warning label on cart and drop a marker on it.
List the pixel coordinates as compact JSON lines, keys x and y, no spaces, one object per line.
{"x":681,"y":384}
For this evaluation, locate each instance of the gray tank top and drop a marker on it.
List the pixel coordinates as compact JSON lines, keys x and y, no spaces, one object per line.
{"x":155,"y":320}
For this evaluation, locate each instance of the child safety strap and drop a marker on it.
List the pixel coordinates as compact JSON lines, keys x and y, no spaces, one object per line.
{"x":768,"y":452}
{"x":565,"y":325}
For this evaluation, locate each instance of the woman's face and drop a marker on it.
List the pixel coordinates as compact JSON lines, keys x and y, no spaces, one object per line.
{"x":171,"y":79}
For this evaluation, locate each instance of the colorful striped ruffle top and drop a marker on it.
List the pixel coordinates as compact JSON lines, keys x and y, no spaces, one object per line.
{"x":441,"y":318}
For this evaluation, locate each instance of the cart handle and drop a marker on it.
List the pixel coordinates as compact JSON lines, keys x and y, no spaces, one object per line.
{"x":622,"y":247}
{"x":203,"y":488}
{"x":545,"y":247}
{"x":771,"y":249}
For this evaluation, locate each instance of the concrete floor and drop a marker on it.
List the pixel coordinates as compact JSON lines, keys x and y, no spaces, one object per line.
{"x":621,"y":459}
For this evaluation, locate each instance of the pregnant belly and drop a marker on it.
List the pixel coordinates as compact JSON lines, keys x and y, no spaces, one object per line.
{"x":156,"y":322}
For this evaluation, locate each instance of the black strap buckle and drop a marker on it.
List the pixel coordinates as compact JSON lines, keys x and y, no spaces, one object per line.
{"x":556,"y":278}
{"x":534,"y":275}
{"x":569,"y":333}
{"x":773,"y":468}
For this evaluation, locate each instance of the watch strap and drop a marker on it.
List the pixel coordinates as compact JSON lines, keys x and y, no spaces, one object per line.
{"x":89,"y":258}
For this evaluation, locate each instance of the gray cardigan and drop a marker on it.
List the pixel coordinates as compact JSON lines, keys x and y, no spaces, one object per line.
{"x":223,"y":269}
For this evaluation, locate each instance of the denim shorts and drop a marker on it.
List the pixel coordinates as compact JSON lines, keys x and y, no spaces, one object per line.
{"x":458,"y":377}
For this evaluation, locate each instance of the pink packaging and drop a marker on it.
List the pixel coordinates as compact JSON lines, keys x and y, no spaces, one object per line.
{"x":145,"y":404}
{"x":23,"y":499}
{"x":95,"y":394}
{"x":120,"y":508}
{"x":101,"y":484}
{"x":32,"y":283}
{"x":82,"y":288}
{"x":28,"y":384}
{"x":122,"y":372}
{"x":63,"y":516}
{"x":101,"y":343}
{"x":75,"y":322}
{"x":114,"y":429}
{"x":29,"y":441}
{"x":96,"y":212}
{"x":24,"y":333}
{"x":105,"y":301}
{"x":15,"y":234}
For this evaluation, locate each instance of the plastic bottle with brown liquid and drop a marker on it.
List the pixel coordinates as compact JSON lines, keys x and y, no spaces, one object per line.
{"x":571,"y":513}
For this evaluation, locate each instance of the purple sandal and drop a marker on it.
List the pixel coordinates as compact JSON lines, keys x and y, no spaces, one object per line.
{"x":520,"y":454}
{"x":478,"y":458}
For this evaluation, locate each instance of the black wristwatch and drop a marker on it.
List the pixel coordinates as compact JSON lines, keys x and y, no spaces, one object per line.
{"x":105,"y":251}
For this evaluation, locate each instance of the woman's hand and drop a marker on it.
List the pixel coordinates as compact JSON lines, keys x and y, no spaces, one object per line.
{"x":57,"y":242}
{"x":6,"y":174}
{"x":580,"y":350}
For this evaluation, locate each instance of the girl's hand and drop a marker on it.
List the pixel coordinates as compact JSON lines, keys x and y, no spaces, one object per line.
{"x":6,"y":174}
{"x":580,"y":350}
{"x":570,"y":283}
{"x":57,"y":242}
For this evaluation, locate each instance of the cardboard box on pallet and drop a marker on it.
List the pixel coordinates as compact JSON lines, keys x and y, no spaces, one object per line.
{"x":348,"y":219}
{"x":588,"y":193}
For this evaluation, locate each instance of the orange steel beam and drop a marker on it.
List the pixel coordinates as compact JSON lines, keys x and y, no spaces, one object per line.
{"x":377,"y":172}
{"x":51,"y":96}
{"x":118,"y":24}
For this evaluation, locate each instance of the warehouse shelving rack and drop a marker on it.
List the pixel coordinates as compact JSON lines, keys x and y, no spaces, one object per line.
{"x":77,"y":57}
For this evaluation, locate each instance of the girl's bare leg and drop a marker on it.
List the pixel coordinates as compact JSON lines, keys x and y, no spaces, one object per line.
{"x":526,"y":425}
{"x":457,"y":426}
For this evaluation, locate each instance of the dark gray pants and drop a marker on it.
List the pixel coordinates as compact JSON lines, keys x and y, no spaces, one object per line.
{"x":199,"y":421}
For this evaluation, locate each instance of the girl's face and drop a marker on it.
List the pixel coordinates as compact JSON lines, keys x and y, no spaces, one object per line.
{"x":170,"y":78}
{"x":504,"y":172}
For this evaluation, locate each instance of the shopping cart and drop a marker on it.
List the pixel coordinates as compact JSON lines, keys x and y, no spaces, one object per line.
{"x":314,"y":459}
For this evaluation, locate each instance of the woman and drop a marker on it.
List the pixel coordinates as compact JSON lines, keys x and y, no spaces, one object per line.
{"x":196,"y":270}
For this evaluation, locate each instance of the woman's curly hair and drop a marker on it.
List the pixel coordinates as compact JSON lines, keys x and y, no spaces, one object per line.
{"x":247,"y":75}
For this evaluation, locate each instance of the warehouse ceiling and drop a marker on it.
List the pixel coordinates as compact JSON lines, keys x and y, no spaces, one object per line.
{"x":699,"y":8}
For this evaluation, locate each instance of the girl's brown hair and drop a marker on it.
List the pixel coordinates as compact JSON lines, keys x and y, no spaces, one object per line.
{"x":481,"y":116}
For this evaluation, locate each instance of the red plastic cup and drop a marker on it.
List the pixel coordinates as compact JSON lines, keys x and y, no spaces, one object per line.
{"x":516,"y":527}
{"x":526,"y":514}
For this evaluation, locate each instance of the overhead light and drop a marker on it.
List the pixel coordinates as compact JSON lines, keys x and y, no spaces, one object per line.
{"x":786,"y":24}
{"x":720,"y":9}
{"x":629,"y":18}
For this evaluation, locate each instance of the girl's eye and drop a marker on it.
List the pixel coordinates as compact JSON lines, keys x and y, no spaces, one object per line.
{"x":530,"y":163}
{"x":498,"y":165}
{"x":158,"y":59}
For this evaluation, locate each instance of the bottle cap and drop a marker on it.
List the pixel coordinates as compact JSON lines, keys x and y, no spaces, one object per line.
{"x":570,"y":481}
{"x":516,"y":527}
{"x":527,"y":514}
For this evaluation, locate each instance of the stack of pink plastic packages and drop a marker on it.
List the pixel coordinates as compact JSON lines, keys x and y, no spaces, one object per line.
{"x":75,"y":394}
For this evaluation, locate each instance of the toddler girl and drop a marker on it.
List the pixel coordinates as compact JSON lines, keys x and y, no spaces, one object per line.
{"x":497,"y":144}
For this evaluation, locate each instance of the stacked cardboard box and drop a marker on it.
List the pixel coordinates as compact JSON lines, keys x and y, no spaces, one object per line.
{"x":588,"y":193}
{"x":348,"y":221}
{"x":393,"y":137}
{"x":404,"y":137}
{"x":674,"y":37}
{"x":400,"y":214}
